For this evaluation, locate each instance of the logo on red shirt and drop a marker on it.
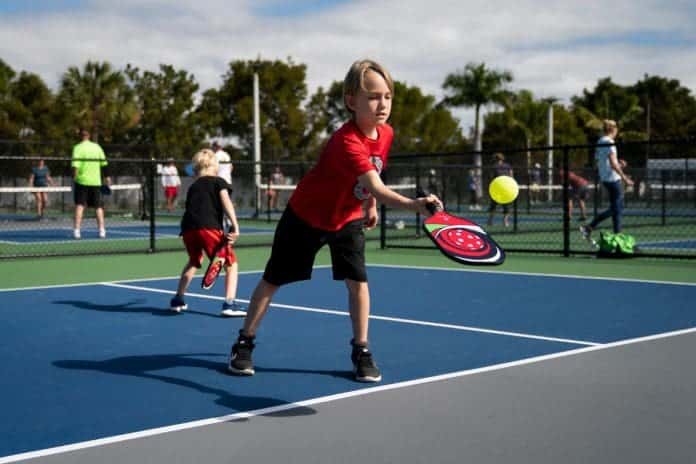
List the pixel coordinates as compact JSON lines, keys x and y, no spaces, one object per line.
{"x":360,"y":192}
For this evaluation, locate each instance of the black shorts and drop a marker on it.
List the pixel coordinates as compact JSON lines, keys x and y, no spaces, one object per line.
{"x":579,"y":193}
{"x":88,"y":195}
{"x":296,"y":243}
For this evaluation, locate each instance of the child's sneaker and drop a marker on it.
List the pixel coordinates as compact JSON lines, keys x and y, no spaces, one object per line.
{"x":102,"y":233}
{"x":364,"y":367}
{"x":177,"y":304}
{"x":233,"y":309}
{"x":76,"y":234}
{"x":240,"y":356}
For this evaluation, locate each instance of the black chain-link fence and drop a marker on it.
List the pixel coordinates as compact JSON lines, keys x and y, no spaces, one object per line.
{"x":660,"y":208}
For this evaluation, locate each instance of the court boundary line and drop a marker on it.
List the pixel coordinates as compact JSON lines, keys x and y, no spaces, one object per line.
{"x":537,"y":274}
{"x":336,"y":312}
{"x":427,"y":268}
{"x":329,"y":398}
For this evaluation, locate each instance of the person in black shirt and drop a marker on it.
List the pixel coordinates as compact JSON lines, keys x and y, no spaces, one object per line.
{"x":207,"y":203}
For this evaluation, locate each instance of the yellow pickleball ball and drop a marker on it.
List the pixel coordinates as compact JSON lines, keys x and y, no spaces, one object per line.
{"x":503,"y":190}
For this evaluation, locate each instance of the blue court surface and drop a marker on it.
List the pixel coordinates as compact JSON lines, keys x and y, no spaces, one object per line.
{"x":137,"y":231}
{"x":94,"y":361}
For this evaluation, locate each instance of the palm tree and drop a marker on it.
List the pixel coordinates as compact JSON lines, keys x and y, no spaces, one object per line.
{"x":98,"y":98}
{"x":476,"y":86}
{"x":529,"y":116}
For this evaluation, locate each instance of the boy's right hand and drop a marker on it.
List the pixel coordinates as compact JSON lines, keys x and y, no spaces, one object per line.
{"x":423,"y":204}
{"x":232,"y":236}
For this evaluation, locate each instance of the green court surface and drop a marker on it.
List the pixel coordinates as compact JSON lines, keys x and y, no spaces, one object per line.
{"x":29,"y":272}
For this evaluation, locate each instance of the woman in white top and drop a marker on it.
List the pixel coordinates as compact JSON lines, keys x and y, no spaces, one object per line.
{"x":171,"y":183}
{"x":611,"y":175}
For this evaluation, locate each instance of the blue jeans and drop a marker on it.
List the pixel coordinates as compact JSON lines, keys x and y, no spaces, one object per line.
{"x":616,"y":206}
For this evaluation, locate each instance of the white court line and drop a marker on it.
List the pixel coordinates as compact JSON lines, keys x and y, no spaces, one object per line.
{"x":390,"y":266}
{"x":376,"y":317}
{"x":535,"y":274}
{"x":329,"y":398}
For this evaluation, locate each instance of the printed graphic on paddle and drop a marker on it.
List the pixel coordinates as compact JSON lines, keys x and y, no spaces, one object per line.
{"x":216,"y":264}
{"x":461,"y":240}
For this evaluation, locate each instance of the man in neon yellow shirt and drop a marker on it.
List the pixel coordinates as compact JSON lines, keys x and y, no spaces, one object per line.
{"x":87,"y":161}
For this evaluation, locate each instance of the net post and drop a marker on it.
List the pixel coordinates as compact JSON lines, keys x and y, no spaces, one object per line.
{"x":565,"y":205}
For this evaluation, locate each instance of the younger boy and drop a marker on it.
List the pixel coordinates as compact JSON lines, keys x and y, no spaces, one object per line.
{"x":207,"y":202}
{"x":332,"y":204}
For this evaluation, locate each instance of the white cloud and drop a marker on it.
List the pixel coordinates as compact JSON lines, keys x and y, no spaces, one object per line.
{"x":552,"y":49}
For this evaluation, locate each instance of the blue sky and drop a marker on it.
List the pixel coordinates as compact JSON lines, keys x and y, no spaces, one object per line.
{"x":553,"y":49}
{"x":23,"y":7}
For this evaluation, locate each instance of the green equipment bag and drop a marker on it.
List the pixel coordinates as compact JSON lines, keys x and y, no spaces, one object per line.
{"x":616,"y":245}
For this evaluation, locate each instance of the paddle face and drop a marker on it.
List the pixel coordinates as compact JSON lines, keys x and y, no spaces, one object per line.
{"x":216,"y":264}
{"x":462,"y":240}
{"x":105,"y":189}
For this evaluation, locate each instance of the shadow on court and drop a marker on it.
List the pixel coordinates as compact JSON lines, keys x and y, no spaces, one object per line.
{"x":130,"y":307}
{"x":145,"y":367}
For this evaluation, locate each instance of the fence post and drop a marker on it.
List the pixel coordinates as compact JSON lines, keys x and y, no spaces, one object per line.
{"x":566,"y":210}
{"x":663,"y":178}
{"x":418,"y":185}
{"x":151,"y":203}
{"x":382,"y":226}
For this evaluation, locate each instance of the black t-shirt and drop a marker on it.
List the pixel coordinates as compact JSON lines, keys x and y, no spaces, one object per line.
{"x":203,"y":205}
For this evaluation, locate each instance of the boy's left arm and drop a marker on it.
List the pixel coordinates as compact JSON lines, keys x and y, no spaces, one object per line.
{"x":227,"y":205}
{"x":371,"y":216}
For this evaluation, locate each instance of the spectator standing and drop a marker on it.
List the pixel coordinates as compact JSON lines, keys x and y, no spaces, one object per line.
{"x":40,"y":177}
{"x":88,"y":159}
{"x":171,"y":183}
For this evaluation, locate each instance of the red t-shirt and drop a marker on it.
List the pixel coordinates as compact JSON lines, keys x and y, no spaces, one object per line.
{"x":329,"y":195}
{"x":575,"y":180}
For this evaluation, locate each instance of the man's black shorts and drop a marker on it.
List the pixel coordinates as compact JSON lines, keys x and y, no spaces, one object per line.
{"x":88,"y":195}
{"x":296,"y":244}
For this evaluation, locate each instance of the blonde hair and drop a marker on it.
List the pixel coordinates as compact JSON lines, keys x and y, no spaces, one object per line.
{"x":609,"y":125}
{"x":204,"y":160}
{"x":355,"y":78}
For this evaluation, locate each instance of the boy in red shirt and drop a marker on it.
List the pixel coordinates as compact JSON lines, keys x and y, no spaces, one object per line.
{"x":332,"y":204}
{"x":207,"y":202}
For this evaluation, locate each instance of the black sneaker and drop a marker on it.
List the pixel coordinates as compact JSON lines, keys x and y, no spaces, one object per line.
{"x":364,"y":367}
{"x":240,"y":357}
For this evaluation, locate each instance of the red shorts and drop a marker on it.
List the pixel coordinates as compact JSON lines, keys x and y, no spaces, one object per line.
{"x":199,"y":241}
{"x":171,"y":192}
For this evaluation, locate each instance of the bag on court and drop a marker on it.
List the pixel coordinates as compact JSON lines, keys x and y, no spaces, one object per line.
{"x":616,"y":245}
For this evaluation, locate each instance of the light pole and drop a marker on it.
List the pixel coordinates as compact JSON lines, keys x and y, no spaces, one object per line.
{"x":549,"y":153}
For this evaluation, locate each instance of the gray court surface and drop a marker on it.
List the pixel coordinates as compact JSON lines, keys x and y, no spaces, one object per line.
{"x":626,"y":403}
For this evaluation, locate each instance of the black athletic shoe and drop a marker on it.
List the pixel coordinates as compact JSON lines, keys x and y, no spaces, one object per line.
{"x":364,"y":367}
{"x":240,"y":357}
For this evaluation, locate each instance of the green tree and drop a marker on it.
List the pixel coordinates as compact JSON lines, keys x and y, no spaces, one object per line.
{"x":167,"y":113}
{"x":608,"y":101}
{"x":98,"y":98}
{"x":282,"y":91}
{"x":38,"y":119}
{"x":419,"y":124}
{"x":670,"y":108}
{"x":476,"y":86}
{"x":9,"y":106}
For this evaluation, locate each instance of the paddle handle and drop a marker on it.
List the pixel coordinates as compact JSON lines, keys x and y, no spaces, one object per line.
{"x":431,"y":207}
